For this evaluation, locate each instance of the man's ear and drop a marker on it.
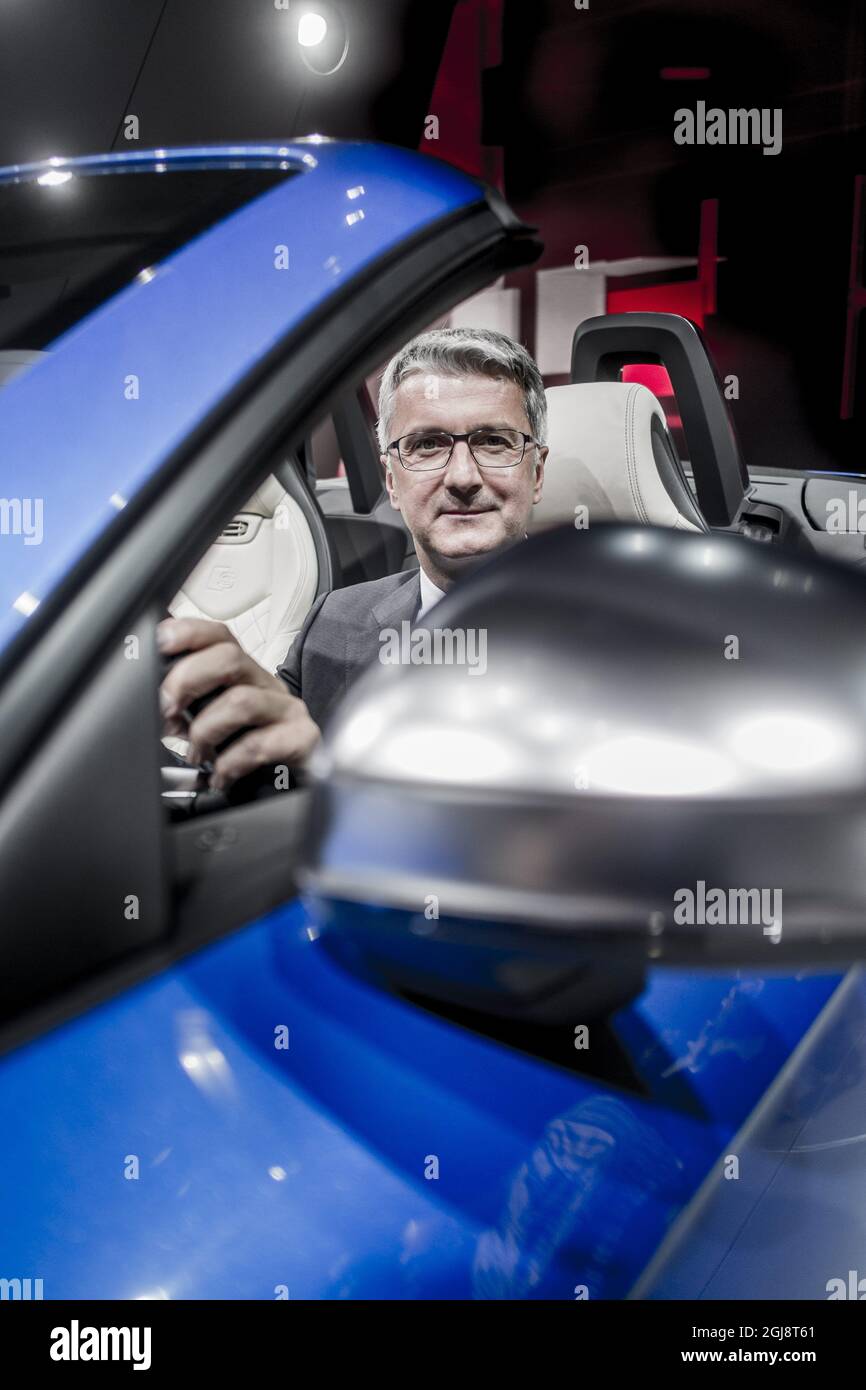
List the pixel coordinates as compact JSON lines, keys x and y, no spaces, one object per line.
{"x":389,"y":482}
{"x":540,"y":460}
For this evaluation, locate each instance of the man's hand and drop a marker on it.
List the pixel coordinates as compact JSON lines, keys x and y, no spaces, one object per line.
{"x":280,"y":727}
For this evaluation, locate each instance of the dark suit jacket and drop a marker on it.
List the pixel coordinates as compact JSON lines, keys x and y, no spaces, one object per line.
{"x":341,"y":636}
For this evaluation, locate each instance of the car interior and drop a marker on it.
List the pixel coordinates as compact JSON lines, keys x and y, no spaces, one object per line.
{"x":322,"y":520}
{"x":609,"y":447}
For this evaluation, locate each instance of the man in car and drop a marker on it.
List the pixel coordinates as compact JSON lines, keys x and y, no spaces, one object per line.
{"x":462,"y":424}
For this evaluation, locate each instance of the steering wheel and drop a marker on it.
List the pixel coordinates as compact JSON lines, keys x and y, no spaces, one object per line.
{"x":197,"y":797}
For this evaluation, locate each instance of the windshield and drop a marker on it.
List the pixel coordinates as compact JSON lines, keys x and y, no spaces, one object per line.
{"x":73,"y":238}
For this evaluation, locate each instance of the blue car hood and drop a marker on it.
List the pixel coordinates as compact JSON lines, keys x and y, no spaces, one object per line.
{"x":257,"y":1123}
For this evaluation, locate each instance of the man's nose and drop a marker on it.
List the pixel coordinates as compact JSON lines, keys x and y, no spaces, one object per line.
{"x":462,"y":471}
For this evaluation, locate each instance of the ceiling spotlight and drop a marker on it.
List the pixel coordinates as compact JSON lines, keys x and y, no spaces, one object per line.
{"x":312,"y":29}
{"x":323,"y":39}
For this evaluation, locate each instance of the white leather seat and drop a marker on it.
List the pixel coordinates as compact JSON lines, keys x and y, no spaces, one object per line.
{"x":611,"y":452}
{"x":259,"y":578}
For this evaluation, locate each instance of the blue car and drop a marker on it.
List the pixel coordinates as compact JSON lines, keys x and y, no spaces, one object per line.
{"x":200,"y":1097}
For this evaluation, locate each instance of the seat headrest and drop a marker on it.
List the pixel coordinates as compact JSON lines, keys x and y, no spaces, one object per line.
{"x":611,"y":452}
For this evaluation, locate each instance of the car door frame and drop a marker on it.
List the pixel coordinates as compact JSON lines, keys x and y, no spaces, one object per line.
{"x":129,"y":576}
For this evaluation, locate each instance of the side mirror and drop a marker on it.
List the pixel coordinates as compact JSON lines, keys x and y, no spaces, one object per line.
{"x":614,"y":746}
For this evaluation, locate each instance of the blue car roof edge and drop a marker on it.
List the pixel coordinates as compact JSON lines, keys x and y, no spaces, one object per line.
{"x":287,"y":154}
{"x":296,"y":150}
{"x":177,"y":154}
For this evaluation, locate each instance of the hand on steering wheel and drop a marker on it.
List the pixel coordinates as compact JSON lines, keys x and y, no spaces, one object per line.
{"x":235,"y":715}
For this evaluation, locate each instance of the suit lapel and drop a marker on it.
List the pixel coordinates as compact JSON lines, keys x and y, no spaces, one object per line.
{"x":397,"y":606}
{"x":363,"y":645}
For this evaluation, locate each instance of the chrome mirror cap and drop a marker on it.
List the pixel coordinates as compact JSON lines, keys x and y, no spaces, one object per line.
{"x":637,"y":739}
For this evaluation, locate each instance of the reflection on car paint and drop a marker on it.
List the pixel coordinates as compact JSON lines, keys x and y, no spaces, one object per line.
{"x":577,"y":1208}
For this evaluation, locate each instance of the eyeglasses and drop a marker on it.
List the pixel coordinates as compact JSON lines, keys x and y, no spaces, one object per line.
{"x":425,"y":450}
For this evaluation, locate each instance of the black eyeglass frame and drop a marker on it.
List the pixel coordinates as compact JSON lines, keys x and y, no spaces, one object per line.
{"x":462,"y":438}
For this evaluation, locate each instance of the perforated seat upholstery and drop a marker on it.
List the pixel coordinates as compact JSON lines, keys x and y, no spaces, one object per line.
{"x":611,"y":452}
{"x":259,"y":578}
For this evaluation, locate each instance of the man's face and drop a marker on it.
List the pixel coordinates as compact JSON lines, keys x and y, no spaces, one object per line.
{"x":459,"y":513}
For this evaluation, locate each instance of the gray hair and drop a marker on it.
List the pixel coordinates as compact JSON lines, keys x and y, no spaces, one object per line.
{"x":459,"y":351}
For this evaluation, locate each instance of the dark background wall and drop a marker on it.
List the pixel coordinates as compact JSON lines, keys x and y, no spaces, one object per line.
{"x":585,"y":115}
{"x":201,"y":70}
{"x":571,"y":111}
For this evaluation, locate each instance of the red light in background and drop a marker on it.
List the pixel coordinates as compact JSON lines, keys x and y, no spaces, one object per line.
{"x":684,"y":297}
{"x":655,"y":377}
{"x":650,"y":374}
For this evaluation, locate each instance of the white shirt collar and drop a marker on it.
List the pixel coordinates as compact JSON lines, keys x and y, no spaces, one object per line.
{"x":430,"y":594}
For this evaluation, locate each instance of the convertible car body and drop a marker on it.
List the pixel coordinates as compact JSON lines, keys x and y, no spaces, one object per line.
{"x":197,"y":1100}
